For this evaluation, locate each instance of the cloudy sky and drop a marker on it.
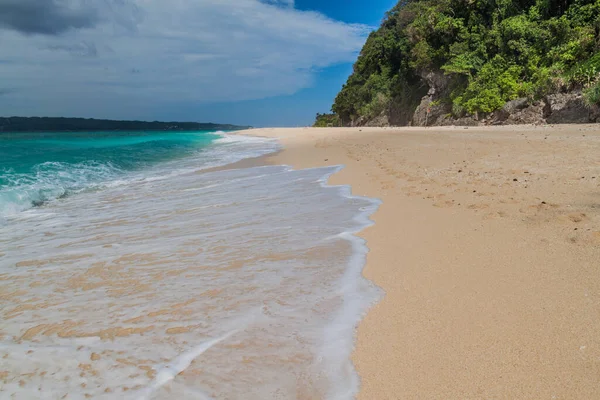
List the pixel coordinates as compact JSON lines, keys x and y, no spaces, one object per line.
{"x":259,"y":62}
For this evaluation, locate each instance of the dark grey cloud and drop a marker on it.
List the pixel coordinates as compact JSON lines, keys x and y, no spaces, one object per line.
{"x":82,"y":49}
{"x":47,"y":17}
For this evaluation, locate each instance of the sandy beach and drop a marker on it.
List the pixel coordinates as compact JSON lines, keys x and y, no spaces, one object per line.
{"x":488,"y":248}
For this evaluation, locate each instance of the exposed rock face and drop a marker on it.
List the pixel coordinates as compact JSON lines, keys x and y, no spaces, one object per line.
{"x":360,"y":121}
{"x":379,"y":121}
{"x":402,"y":108}
{"x":515,"y":105}
{"x":566,"y":108}
{"x":519,"y":111}
{"x":510,"y":108}
{"x":533,"y":114}
{"x":435,"y":110}
{"x":430,"y":113}
{"x":437,"y":82}
{"x":561,"y":108}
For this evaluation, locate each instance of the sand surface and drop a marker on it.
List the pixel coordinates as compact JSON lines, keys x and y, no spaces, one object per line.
{"x":488,"y":248}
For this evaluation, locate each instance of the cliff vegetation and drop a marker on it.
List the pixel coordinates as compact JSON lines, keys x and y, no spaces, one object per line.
{"x":440,"y":61}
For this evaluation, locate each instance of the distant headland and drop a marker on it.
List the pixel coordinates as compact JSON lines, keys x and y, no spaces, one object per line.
{"x":47,"y":124}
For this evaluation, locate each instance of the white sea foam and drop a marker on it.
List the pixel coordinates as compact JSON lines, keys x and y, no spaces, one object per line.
{"x":168,"y":372}
{"x":54,"y":180}
{"x":239,"y":284}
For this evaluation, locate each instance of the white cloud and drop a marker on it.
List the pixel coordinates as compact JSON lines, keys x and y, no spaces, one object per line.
{"x":145,"y":53}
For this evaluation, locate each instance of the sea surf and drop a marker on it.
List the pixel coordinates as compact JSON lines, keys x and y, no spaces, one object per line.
{"x":141,"y":266}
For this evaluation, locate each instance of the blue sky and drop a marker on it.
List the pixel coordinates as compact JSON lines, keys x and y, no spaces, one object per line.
{"x":300,"y":108}
{"x":356,"y":11}
{"x":257,"y":62}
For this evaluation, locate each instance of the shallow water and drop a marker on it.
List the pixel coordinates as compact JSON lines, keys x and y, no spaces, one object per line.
{"x":179,"y":283}
{"x":40,"y":167}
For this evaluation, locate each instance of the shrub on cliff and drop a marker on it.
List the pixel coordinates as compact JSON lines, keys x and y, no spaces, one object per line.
{"x":592,"y":94}
{"x":326,"y":120}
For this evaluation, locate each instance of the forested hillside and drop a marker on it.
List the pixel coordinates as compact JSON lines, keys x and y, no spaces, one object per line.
{"x":45,"y":124}
{"x":439,"y":61}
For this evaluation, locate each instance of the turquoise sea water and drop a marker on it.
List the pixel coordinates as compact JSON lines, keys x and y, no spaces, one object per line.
{"x":39,"y":167}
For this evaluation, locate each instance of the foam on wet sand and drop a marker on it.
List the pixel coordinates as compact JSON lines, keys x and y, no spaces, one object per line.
{"x":232,"y":283}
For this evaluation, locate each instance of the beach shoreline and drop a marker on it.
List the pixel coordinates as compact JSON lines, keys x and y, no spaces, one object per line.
{"x":188,"y":278}
{"x":487,"y":246}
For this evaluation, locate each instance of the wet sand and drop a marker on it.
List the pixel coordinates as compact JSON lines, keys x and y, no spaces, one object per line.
{"x":239,"y":283}
{"x":488,"y":248}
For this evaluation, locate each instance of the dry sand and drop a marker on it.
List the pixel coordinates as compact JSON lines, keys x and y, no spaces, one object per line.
{"x":488,"y":248}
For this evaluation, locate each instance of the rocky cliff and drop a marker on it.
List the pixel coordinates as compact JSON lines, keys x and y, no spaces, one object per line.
{"x":461,"y":62}
{"x":567,"y":107}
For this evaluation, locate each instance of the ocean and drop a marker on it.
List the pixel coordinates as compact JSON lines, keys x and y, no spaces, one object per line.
{"x":147,"y":266}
